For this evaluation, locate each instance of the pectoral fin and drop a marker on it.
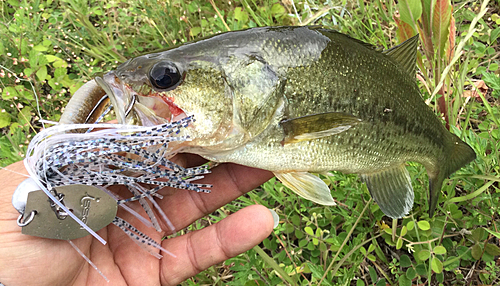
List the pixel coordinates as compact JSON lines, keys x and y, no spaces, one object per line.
{"x":307,"y":186}
{"x":316,"y":126}
{"x":392,"y":190}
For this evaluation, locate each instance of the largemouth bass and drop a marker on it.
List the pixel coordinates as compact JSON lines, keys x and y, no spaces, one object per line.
{"x":295,"y":100}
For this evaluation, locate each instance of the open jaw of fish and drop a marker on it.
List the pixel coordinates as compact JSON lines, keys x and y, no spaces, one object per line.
{"x":295,"y":100}
{"x":145,"y":108}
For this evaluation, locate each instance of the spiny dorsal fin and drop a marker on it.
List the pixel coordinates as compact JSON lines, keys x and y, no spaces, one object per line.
{"x":307,"y":186}
{"x":316,"y":126}
{"x":405,"y":54}
{"x":392,"y":190}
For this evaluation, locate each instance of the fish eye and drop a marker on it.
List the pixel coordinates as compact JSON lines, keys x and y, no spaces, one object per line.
{"x":164,"y":75}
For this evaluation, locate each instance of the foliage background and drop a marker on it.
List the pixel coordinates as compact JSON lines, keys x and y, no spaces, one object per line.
{"x":50,"y":48}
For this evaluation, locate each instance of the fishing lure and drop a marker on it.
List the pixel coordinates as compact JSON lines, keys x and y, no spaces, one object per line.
{"x":71,"y":167}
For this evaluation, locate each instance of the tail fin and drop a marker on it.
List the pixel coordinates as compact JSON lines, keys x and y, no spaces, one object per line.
{"x":459,"y":155}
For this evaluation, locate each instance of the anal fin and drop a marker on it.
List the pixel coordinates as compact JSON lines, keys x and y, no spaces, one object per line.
{"x":307,"y":186}
{"x":392,"y":190}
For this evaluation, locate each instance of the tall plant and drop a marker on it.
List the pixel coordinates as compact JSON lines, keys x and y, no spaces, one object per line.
{"x":433,"y":20}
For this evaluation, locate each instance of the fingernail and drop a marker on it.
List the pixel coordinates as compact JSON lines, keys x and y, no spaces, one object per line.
{"x":276,"y":218}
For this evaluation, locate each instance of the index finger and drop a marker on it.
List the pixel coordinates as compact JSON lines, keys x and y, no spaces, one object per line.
{"x":229,"y":182}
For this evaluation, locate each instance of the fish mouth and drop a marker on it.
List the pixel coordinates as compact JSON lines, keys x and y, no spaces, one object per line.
{"x":133,"y":107}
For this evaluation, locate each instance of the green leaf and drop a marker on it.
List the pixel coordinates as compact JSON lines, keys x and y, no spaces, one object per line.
{"x":411,"y":273}
{"x":318,"y":232}
{"x":363,"y":250}
{"x":24,"y":116}
{"x":9,"y":92}
{"x":494,"y":35}
{"x":4,"y":119}
{"x":194,"y":31}
{"x":424,"y":254}
{"x":451,"y":263}
{"x":440,"y":277}
{"x":14,"y":127}
{"x":310,"y":246}
{"x":40,"y":48}
{"x":308,"y":230}
{"x":57,"y":62}
{"x":399,"y":243}
{"x":27,"y":72}
{"x":493,"y":82}
{"x":439,"y":250}
{"x":421,"y":270}
{"x":424,"y":225}
{"x":299,"y":234}
{"x":241,"y":15}
{"x":477,"y":234}
{"x":303,"y":243}
{"x":436,"y":265}
{"x":441,"y":24}
{"x":380,"y":254}
{"x":360,"y":282}
{"x":295,"y":220}
{"x":404,"y":261}
{"x":404,"y":230}
{"x":322,"y":247}
{"x":60,"y":64}
{"x":410,"y":11}
{"x":371,"y":257}
{"x":51,"y":58}
{"x":371,"y":247}
{"x":42,"y":73}
{"x":476,"y":251}
{"x":404,"y":281}
{"x":373,"y":274}
{"x":492,"y":249}
{"x":410,"y":225}
{"x":316,"y":270}
{"x":277,"y":10}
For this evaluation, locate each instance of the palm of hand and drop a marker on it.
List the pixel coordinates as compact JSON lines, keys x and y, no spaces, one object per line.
{"x":28,"y":260}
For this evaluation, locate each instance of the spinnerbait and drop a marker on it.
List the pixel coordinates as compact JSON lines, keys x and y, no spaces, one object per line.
{"x":115,"y":155}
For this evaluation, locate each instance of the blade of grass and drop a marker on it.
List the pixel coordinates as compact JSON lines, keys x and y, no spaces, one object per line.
{"x":344,"y":242}
{"x":274,"y":265}
{"x":220,"y":16}
{"x":469,"y":196}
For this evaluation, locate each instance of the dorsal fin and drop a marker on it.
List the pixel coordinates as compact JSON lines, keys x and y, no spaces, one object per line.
{"x":405,"y":54}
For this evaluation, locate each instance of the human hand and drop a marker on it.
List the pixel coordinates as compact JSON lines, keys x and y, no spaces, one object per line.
{"x":29,"y":260}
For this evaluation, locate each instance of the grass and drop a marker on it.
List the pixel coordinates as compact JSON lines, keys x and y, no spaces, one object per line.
{"x":50,"y":47}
